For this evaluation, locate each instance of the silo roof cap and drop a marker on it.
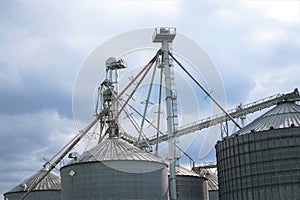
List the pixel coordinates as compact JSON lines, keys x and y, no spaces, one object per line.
{"x":181,"y":171}
{"x":116,"y":149}
{"x":284,"y":115}
{"x":212,"y":179}
{"x":50,"y":182}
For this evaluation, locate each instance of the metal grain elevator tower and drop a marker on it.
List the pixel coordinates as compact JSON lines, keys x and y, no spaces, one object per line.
{"x":165,"y":36}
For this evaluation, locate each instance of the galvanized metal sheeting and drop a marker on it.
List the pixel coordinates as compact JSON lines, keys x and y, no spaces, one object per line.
{"x":181,"y":171}
{"x":50,"y":182}
{"x":284,"y":115}
{"x":262,"y":161}
{"x":117,"y":149}
{"x":260,"y":165}
{"x":212,"y":180}
{"x":97,"y":180}
{"x":213,"y":194}
{"x":115,"y":169}
{"x":48,"y":189}
{"x":190,"y":185}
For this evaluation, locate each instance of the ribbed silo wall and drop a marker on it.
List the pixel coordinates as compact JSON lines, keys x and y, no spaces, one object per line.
{"x":191,"y":187}
{"x":101,"y":180}
{"x":260,"y":165}
{"x":213,"y":194}
{"x":34,"y":195}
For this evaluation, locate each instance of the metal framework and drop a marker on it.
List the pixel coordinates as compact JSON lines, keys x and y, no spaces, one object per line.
{"x":165,"y":36}
{"x":109,"y":111}
{"x":240,"y":111}
{"x":84,"y":132}
{"x":107,"y":91}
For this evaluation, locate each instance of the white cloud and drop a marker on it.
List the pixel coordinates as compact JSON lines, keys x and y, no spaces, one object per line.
{"x":227,"y":16}
{"x":297,"y":39}
{"x":287,"y":12}
{"x":266,"y":35}
{"x":122,"y":8}
{"x":61,"y":34}
{"x":23,"y":48}
{"x":26,"y":139}
{"x":24,"y":54}
{"x":270,"y":81}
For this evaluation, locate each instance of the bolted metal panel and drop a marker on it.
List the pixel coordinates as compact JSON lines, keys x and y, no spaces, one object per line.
{"x":34,"y":195}
{"x":115,"y":169}
{"x":50,"y":182}
{"x":117,"y":149}
{"x":212,"y":182}
{"x":181,"y":171}
{"x":106,"y":180}
{"x":284,"y":115}
{"x":190,"y":185}
{"x":213,"y":194}
{"x":212,"y":179}
{"x":260,"y":165}
{"x":47,"y":189}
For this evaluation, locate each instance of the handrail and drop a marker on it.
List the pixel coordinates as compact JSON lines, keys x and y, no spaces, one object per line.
{"x":237,"y":112}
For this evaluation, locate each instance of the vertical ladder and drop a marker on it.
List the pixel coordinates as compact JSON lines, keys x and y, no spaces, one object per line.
{"x":174,"y":110}
{"x":174,"y":94}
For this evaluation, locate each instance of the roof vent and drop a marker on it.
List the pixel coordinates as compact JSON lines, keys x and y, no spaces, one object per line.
{"x":24,"y":186}
{"x":73,"y":155}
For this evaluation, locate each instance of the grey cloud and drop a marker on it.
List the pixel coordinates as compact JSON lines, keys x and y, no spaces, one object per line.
{"x":35,"y":93}
{"x":26,"y":139}
{"x":44,"y":43}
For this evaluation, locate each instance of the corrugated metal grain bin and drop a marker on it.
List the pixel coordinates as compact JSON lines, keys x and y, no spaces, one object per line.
{"x":47,"y":189}
{"x":212,"y":182}
{"x":115,"y":169}
{"x":262,"y":160}
{"x":213,"y":194}
{"x":190,"y":185}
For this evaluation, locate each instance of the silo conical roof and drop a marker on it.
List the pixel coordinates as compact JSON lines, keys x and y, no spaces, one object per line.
{"x":181,"y":171}
{"x":212,"y":180}
{"x":284,"y":115}
{"x":50,"y":182}
{"x":115,"y":169}
{"x":116,"y":149}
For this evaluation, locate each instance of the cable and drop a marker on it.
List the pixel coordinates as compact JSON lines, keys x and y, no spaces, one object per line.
{"x":62,"y":149}
{"x":147,"y":120}
{"x":146,"y":104}
{"x":206,"y":92}
{"x":135,"y":125}
{"x":158,"y":117}
{"x":149,"y":65}
{"x":85,"y":131}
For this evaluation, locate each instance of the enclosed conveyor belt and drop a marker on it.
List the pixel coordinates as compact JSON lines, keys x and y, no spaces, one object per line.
{"x":240,"y":111}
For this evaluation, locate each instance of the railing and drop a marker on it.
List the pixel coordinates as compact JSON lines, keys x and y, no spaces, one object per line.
{"x":239,"y":111}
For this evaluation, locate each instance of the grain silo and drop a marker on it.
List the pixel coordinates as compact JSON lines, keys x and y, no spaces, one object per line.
{"x":47,"y":189}
{"x":212,"y":183}
{"x":261,"y":161}
{"x":190,"y":185}
{"x":213,"y":188}
{"x":115,"y":169}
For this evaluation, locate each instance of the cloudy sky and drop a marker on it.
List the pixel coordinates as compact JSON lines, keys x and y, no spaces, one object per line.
{"x":254,"y":45}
